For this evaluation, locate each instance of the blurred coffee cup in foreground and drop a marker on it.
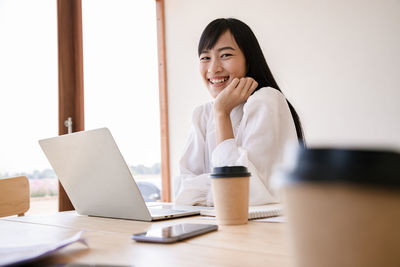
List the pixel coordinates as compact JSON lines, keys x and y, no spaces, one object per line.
{"x":230,"y":187}
{"x":343,"y":207}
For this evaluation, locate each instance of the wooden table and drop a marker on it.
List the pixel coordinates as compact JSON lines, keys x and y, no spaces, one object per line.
{"x":253,"y":244}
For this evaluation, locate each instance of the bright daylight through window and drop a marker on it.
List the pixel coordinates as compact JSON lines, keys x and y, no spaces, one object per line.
{"x":120,"y":83}
{"x":28,"y":95}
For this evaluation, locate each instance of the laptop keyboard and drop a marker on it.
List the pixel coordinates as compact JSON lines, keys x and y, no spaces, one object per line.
{"x":164,"y":211}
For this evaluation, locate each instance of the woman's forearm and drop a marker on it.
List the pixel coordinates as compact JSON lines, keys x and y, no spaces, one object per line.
{"x":223,"y":127}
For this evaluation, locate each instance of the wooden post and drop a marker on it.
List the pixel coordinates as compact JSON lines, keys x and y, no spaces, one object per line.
{"x":162,"y":80}
{"x":70,"y":75}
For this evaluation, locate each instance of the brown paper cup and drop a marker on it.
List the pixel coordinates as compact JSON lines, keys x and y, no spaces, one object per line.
{"x":230,"y":187}
{"x":343,"y":208}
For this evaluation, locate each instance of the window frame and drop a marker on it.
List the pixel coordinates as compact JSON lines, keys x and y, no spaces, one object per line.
{"x":71,"y":90}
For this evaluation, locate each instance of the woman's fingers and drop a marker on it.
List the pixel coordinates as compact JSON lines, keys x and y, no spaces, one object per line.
{"x":234,"y":83}
{"x":237,"y":92}
{"x":246,"y":87}
{"x":241,"y":88}
{"x":241,"y":85}
{"x":253,"y":87}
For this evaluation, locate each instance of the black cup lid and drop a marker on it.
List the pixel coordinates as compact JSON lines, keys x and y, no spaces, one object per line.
{"x":374,"y":167}
{"x":229,"y":171}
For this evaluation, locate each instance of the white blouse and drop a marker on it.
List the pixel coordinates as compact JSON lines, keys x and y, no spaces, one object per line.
{"x":261,"y":126}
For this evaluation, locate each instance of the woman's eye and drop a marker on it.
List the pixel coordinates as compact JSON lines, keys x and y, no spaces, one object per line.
{"x":204,"y":58}
{"x":226,"y":55}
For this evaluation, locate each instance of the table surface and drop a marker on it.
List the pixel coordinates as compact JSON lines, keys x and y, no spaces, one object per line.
{"x":252,"y":244}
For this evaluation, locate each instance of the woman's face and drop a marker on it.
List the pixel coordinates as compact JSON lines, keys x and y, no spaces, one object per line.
{"x":221,"y":64}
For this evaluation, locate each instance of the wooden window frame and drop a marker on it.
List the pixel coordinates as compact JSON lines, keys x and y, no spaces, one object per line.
{"x":162,"y":84}
{"x":70,"y":75}
{"x":71,"y":91}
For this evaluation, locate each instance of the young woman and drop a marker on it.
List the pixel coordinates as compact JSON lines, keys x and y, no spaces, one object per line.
{"x":248,"y":123}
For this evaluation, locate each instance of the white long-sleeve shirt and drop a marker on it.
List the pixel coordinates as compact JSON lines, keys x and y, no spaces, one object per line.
{"x":261,"y":128}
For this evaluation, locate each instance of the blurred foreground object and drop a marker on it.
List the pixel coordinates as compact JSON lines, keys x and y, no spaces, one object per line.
{"x":343,"y":207}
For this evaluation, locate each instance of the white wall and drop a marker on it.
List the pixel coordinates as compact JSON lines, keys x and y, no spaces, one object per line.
{"x":338,"y":62}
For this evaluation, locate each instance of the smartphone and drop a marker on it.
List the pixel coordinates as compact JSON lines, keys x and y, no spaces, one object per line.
{"x":174,"y":233}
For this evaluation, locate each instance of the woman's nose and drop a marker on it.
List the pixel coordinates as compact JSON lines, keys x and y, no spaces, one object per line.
{"x":214,"y":66}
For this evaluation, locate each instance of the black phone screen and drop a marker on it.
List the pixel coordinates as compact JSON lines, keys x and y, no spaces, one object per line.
{"x":174,"y":233}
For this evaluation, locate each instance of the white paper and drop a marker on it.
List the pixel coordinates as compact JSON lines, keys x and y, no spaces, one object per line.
{"x":14,"y":255}
{"x":262,"y":211}
{"x":276,"y":219}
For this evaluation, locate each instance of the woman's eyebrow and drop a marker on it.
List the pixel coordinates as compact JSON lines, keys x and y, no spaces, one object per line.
{"x":219,"y":49}
{"x":225,"y":48}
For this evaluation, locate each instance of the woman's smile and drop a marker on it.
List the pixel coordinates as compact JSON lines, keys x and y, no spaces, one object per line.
{"x":218,"y":81}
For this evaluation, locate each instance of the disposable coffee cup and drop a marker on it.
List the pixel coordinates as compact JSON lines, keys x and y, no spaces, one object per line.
{"x":230,"y":187}
{"x":343,"y":207}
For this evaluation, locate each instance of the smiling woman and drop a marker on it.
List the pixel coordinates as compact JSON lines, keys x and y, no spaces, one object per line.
{"x":248,"y":123}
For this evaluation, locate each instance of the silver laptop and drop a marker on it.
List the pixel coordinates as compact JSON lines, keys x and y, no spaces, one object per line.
{"x":97,"y":179}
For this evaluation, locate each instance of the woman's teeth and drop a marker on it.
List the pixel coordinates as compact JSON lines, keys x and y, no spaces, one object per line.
{"x":218,"y":80}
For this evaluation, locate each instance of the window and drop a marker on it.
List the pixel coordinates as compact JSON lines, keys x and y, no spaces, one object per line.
{"x":28,"y":94}
{"x":121,"y":82}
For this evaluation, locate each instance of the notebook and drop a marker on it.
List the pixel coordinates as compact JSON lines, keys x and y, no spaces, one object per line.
{"x":255,"y":212}
{"x":97,"y":179}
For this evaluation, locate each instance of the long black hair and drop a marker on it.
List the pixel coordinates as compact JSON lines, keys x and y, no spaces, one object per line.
{"x":256,"y":65}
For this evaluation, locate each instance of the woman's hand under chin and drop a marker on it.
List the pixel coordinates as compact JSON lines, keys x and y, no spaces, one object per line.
{"x":236,"y":93}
